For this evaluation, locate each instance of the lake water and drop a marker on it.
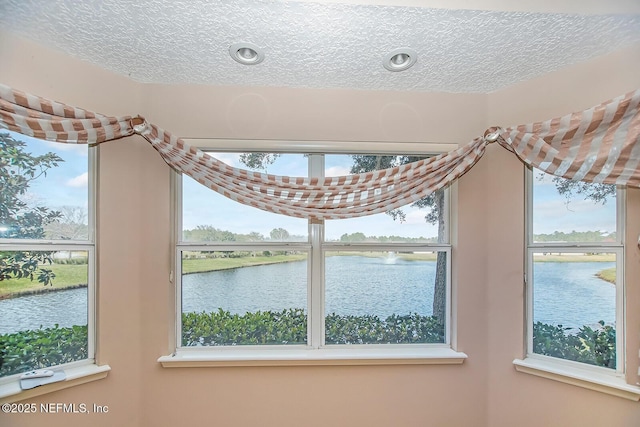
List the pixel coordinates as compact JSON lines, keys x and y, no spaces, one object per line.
{"x":569,"y":294}
{"x":566,"y":293}
{"x":67,"y":308}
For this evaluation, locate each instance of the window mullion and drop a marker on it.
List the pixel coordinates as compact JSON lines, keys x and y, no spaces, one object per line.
{"x":316,"y":287}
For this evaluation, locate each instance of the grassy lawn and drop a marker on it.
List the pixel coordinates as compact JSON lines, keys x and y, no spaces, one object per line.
{"x":66,"y":275}
{"x":425,"y":256}
{"x":574,"y":258}
{"x":73,"y":275}
{"x":201,"y":265}
{"x":608,"y":274}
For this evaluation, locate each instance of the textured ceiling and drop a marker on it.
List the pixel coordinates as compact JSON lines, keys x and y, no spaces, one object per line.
{"x":307,"y":44}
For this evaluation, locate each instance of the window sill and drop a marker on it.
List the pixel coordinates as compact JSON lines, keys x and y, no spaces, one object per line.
{"x":306,"y":357}
{"x":587,"y":377}
{"x":11,"y":391}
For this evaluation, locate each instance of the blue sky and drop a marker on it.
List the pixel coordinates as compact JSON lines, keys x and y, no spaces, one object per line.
{"x":66,"y":185}
{"x":552,"y":212}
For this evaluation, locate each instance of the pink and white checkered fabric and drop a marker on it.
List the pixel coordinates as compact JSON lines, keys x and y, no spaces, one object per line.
{"x":38,"y":117}
{"x":340,"y":197}
{"x":601,"y":144}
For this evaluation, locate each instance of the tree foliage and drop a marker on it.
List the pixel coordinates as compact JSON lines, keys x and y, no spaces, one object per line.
{"x":575,"y":236}
{"x":595,"y":346}
{"x":209,"y":233}
{"x":42,"y":348}
{"x":363,"y":163}
{"x":598,"y":193}
{"x":19,"y":219}
{"x":290,"y":327}
{"x":70,"y":225}
{"x":358,"y":237}
{"x":258,"y":161}
{"x":279,"y":234}
{"x":433,"y":204}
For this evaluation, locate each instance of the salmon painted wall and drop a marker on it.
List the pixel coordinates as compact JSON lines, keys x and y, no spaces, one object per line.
{"x":516,"y":398}
{"x":40,"y":71}
{"x":327,"y":395}
{"x":135,"y":307}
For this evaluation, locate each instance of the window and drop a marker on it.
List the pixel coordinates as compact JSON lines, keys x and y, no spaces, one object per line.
{"x":46,"y":255}
{"x":575,"y":264}
{"x":249,"y":280}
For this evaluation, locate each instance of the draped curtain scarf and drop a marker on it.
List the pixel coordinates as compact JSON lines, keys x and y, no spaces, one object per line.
{"x":601,"y":145}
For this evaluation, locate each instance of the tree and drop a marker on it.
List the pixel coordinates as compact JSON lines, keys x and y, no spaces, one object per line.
{"x":208,"y":233}
{"x":19,"y":220}
{"x":434,"y":203}
{"x":71,"y":225}
{"x":279,"y":234}
{"x":599,"y":193}
{"x":258,"y":160}
{"x":353,"y":237}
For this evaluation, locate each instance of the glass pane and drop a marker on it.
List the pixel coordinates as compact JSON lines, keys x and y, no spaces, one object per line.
{"x":209,"y":216}
{"x":42,"y":326}
{"x":44,"y":189}
{"x":574,"y":307}
{"x":385,"y":297}
{"x":570,"y":211}
{"x":417,"y":223}
{"x":240,"y":298}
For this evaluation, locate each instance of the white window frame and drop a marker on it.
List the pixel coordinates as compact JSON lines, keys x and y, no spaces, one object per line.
{"x":314,"y":352}
{"x":80,"y":371}
{"x":610,"y":381}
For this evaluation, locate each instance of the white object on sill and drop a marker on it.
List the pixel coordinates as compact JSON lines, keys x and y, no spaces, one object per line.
{"x":34,"y":379}
{"x":10,"y":391}
{"x":38,"y":373}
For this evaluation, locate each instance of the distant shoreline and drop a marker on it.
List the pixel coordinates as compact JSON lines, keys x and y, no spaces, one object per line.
{"x":550,"y":257}
{"x":42,"y":290}
{"x":208,"y":265}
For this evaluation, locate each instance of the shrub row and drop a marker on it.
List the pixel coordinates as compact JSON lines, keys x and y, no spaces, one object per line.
{"x":41,"y":348}
{"x":290,"y":327}
{"x":588,"y":345}
{"x":44,"y":347}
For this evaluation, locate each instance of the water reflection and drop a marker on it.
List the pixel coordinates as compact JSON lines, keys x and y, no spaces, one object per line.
{"x":566,"y":293}
{"x":66,"y":308}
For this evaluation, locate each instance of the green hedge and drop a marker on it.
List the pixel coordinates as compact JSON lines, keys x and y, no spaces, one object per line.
{"x":262,"y":327}
{"x":41,"y":348}
{"x":587,"y":345}
{"x":395,"y":329}
{"x":290,"y":327}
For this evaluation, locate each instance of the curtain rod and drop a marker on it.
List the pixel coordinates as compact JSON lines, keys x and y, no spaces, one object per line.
{"x":321,"y":146}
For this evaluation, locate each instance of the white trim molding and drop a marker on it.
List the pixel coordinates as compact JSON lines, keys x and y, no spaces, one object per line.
{"x":11,"y":391}
{"x":586,"y":377}
{"x":353,"y":355}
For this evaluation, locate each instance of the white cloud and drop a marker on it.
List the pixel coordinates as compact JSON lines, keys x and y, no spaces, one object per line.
{"x":337,"y":171}
{"x":579,"y":215}
{"x":415,"y":216}
{"x":79,"y":149}
{"x":232,"y":159}
{"x":78,"y":181}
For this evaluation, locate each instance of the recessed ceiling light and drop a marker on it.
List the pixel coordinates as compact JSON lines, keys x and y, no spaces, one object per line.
{"x":246,"y":53}
{"x":400,"y":59}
